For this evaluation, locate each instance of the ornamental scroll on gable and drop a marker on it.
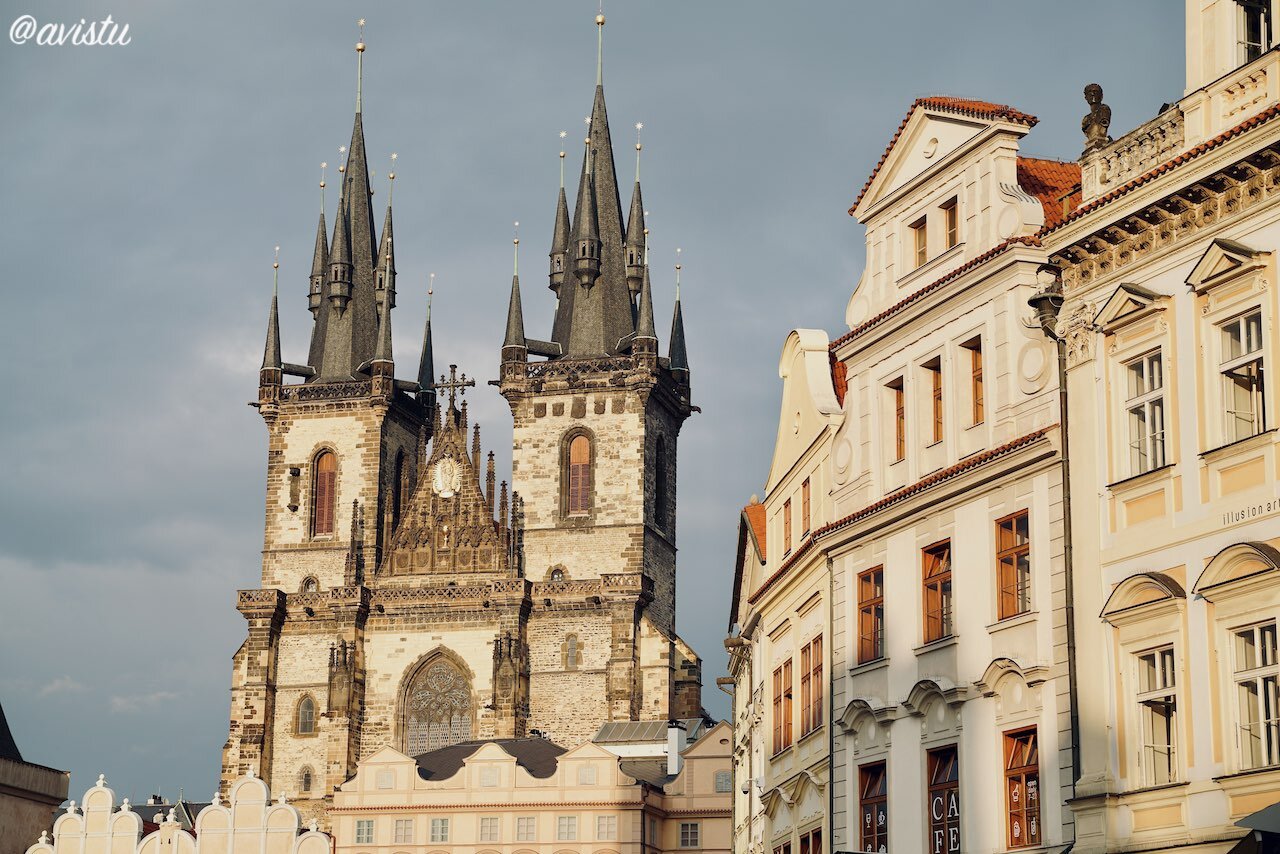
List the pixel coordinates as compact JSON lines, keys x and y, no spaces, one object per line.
{"x":449,"y":526}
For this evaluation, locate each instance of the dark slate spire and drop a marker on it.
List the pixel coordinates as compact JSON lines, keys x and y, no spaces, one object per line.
{"x":514,"y":347}
{"x":271,"y":353}
{"x":644,"y":326}
{"x":634,"y":246}
{"x":426,"y":364}
{"x":340,"y":261}
{"x":382,"y":351}
{"x":560,"y":243}
{"x":315,"y":296}
{"x":386,"y":273}
{"x":678,"y":354}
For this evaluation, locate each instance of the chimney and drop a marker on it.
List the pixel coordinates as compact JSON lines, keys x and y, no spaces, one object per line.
{"x":675,"y":746}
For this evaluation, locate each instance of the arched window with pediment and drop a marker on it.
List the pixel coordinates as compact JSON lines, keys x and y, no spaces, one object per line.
{"x":324,"y":493}
{"x":437,"y":708}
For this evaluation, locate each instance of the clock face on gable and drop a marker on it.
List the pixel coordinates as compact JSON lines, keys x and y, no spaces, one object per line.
{"x":446,"y":477}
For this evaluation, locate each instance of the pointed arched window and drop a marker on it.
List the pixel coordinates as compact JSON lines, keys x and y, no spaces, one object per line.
{"x":306,"y":722}
{"x":579,"y":472}
{"x":324,"y":493}
{"x":438,"y":708}
{"x":305,"y":779}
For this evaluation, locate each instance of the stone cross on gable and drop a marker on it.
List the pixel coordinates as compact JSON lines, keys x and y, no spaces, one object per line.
{"x":457,"y":385}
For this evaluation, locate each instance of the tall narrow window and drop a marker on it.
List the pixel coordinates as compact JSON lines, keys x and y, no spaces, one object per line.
{"x":786,"y":527}
{"x":399,"y":499}
{"x":805,"y":684}
{"x":898,"y":404}
{"x":579,"y":503}
{"x":944,"y":801}
{"x":572,"y":652}
{"x":816,"y":692}
{"x":324,"y":493}
{"x":804,"y":506}
{"x":811,"y":842}
{"x":1255,"y":28}
{"x":1257,"y":700}
{"x":937,"y":591}
{"x":977,"y":393}
{"x":660,"y":498}
{"x":951,"y":222}
{"x":1243,"y":376}
{"x":1158,"y":711}
{"x":306,"y":724}
{"x":1022,"y":788}
{"x":306,"y":779}
{"x":1013,"y":564}
{"x":934,"y":370}
{"x":782,"y":698}
{"x":871,"y":615}
{"x":1145,"y":408}
{"x":873,"y":802}
{"x":919,"y":241}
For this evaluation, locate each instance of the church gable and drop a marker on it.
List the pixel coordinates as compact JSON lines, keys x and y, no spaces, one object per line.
{"x":449,"y":525}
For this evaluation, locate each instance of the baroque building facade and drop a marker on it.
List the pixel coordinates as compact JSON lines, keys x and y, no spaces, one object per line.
{"x":406,"y":600}
{"x":899,"y":611}
{"x":1169,"y":319}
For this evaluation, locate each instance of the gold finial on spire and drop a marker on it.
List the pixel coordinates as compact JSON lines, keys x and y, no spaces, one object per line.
{"x":323,"y":166}
{"x":516,"y":242}
{"x":646,"y":238}
{"x":342,"y":150}
{"x":563,"y":134}
{"x":639,"y":127}
{"x":431,"y":289}
{"x":600,"y":44}
{"x":678,"y":265}
{"x":275,"y":274}
{"x":359,"y":64}
{"x":391,"y":178}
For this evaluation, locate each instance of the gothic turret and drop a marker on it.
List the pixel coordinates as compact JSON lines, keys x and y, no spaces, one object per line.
{"x":586,"y":236}
{"x":560,"y":242}
{"x":646,"y":334}
{"x":315,"y":293}
{"x":272,"y":372}
{"x":340,"y":263}
{"x":385,"y":278}
{"x":514,"y":348}
{"x":677,"y":354}
{"x":635,"y":239}
{"x":426,"y":362}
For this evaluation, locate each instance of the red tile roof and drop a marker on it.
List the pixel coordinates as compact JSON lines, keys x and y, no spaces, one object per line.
{"x":839,"y":378}
{"x":1054,"y":182}
{"x":958,"y":106}
{"x":896,"y":497}
{"x":933,"y":286}
{"x":1190,"y":154}
{"x":754,"y":514}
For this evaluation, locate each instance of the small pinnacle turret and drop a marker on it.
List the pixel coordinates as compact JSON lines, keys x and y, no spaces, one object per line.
{"x":386,"y":274}
{"x":645,"y":330}
{"x":426,"y":363}
{"x":586,"y":235}
{"x":271,"y":362}
{"x":340,"y":263}
{"x":514,"y":346}
{"x":677,"y":353}
{"x":560,"y":243}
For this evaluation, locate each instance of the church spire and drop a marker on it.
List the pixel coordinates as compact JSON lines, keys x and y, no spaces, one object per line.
{"x":382,"y":352}
{"x":272,"y":367}
{"x":315,"y":296}
{"x":385,"y":279}
{"x":677,"y":353}
{"x":586,"y":235}
{"x":635,"y":229}
{"x":514,"y":346}
{"x":560,"y":239}
{"x":645,"y":329}
{"x":426,"y":363}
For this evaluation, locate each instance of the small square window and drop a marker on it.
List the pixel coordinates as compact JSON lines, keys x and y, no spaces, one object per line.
{"x":567,"y":828}
{"x":526,"y":828}
{"x":606,"y":828}
{"x":404,"y":831}
{"x":489,"y":829}
{"x":439,"y":830}
{"x":364,"y":831}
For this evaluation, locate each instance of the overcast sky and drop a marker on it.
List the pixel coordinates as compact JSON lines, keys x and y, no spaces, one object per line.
{"x":146,"y":185}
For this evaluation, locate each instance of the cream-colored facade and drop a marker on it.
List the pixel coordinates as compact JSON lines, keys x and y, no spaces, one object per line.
{"x":1170,"y":313}
{"x":247,"y":823}
{"x":583,"y":800}
{"x":929,"y":430}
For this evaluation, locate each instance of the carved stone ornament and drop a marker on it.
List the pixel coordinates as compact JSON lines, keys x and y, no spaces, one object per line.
{"x":1095,"y":125}
{"x":1076,"y":327}
{"x":446,"y":477}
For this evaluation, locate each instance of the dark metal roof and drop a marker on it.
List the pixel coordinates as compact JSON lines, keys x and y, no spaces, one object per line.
{"x":639,"y":732}
{"x":535,"y":755}
{"x":651,"y":771}
{"x":8,"y":747}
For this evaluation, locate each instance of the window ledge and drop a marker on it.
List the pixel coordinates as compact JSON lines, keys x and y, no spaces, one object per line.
{"x":1142,"y":790}
{"x":935,"y":443}
{"x":1139,"y":479}
{"x":935,"y":264}
{"x":940,"y":643}
{"x":1246,"y":444}
{"x":810,"y":734}
{"x":869,"y":666}
{"x":1016,"y":620}
{"x":1252,"y":772}
{"x":975,"y":425}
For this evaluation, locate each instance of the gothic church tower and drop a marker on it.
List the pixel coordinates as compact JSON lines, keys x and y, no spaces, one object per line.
{"x":409,"y":600}
{"x":597,"y":421}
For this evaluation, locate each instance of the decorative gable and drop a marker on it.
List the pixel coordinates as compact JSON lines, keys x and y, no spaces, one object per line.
{"x":1224,"y":261}
{"x":1128,"y":303}
{"x":449,"y":527}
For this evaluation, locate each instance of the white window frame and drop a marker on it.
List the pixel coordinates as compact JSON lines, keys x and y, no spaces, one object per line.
{"x":1163,"y":691}
{"x":364,"y":831}
{"x":526,"y":828}
{"x":404,"y":831}
{"x":1257,"y":717}
{"x":1248,"y":364}
{"x":606,"y":828}
{"x":566,"y":828}
{"x":439,"y":830}
{"x":490,"y":828}
{"x":1144,"y":412}
{"x":690,"y":834}
{"x":1267,"y":10}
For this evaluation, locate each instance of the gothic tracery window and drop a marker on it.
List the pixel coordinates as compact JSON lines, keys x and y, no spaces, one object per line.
{"x":306,"y":722}
{"x":438,"y":707}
